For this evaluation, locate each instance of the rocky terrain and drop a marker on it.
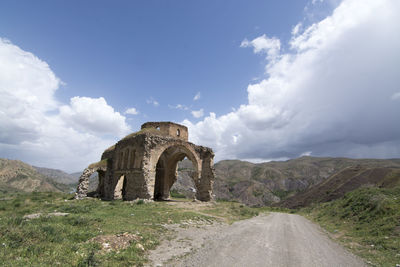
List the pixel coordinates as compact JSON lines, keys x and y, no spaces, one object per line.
{"x":271,"y":182}
{"x":347,"y":180}
{"x":184,"y":184}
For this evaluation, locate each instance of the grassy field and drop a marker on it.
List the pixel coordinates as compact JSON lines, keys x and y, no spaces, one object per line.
{"x":66,"y":240}
{"x":367,"y":221}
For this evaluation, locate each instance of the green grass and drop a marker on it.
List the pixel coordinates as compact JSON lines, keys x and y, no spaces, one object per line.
{"x":232,"y":211}
{"x":50,"y":241}
{"x":176,"y":194}
{"x":367,"y":221}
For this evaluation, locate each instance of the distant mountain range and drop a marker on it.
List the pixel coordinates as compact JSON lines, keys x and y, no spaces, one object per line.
{"x":293,"y":183}
{"x":271,"y":182}
{"x":348,"y":179}
{"x":59,"y":176}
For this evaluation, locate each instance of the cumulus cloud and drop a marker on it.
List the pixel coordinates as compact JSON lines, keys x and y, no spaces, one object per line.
{"x":263,"y":44}
{"x":131,"y":111}
{"x":331,"y":93}
{"x":93,"y":115}
{"x":197,"y":96}
{"x":198,"y":113}
{"x":27,"y":86}
{"x":37,"y":128}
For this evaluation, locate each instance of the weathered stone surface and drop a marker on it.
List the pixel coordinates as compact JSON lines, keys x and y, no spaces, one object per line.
{"x":83,"y":185}
{"x":144,"y":165}
{"x":38,"y":215}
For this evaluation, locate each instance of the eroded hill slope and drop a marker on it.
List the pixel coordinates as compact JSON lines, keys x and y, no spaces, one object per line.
{"x":16,"y":175}
{"x":347,"y":180}
{"x":270,"y":182}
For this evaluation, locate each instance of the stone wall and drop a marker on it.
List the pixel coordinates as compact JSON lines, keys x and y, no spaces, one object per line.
{"x":174,"y":130}
{"x":144,"y":165}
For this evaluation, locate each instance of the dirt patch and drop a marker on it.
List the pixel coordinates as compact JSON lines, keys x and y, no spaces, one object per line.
{"x":198,"y":207}
{"x":191,"y":205}
{"x":183,"y":239}
{"x":116,"y":242}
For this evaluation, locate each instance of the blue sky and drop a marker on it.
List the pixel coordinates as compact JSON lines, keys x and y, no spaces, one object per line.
{"x":273,"y":79}
{"x":132,"y":51}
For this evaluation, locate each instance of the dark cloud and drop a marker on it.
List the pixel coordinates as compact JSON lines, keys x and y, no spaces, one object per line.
{"x":333,"y":94}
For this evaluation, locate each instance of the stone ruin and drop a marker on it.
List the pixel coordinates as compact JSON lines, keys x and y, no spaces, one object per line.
{"x":144,"y":165}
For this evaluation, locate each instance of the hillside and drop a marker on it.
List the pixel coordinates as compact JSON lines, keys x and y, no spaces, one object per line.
{"x":16,"y":176}
{"x":184,"y":184}
{"x":365,"y":220}
{"x":271,"y":182}
{"x":58,"y":175}
{"x":347,"y":180}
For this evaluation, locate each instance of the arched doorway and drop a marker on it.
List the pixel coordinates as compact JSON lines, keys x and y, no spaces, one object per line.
{"x":166,"y":170}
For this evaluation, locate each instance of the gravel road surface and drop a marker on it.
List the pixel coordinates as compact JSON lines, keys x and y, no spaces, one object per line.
{"x":277,"y":239}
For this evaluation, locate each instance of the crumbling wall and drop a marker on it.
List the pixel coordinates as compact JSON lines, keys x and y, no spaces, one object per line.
{"x":205,"y":185}
{"x":147,"y":161}
{"x":83,"y":184}
{"x":174,"y":130}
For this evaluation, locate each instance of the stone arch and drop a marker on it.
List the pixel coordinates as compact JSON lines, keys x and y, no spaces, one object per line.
{"x":165,"y":168}
{"x":83,"y":184}
{"x":190,"y":151}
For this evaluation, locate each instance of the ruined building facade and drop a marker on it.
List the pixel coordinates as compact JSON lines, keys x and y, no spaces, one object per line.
{"x":144,"y":165}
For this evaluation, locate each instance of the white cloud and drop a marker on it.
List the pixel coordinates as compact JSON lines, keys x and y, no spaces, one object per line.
{"x":296,"y":29}
{"x":263,"y":44}
{"x":396,"y":96}
{"x":328,"y":94}
{"x":178,"y":106}
{"x":197,"y":96}
{"x":198,"y":113}
{"x":93,"y":115}
{"x":131,"y":111}
{"x":27,"y":86}
{"x":307,"y":153}
{"x":36,"y":128}
{"x":153,"y":102}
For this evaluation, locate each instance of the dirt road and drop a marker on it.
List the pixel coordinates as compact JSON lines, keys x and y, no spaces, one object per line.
{"x":277,"y":239}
